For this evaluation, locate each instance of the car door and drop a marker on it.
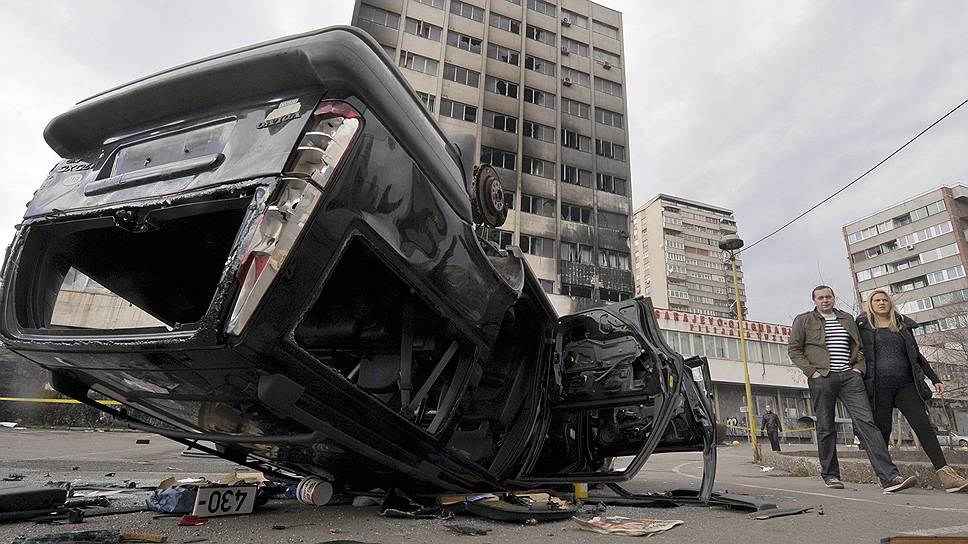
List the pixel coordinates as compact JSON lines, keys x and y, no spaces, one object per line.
{"x":619,"y":390}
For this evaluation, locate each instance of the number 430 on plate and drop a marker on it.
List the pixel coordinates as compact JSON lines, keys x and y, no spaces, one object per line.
{"x":224,"y":501}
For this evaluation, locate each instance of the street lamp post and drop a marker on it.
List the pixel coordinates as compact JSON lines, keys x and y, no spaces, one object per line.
{"x":729,"y":244}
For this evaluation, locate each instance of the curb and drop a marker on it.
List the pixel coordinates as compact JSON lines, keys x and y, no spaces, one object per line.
{"x":855,"y":470}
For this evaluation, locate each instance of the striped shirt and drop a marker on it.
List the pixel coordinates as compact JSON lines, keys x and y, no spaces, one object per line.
{"x":838,"y":343}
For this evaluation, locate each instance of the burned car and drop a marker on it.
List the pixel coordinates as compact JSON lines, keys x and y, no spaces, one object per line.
{"x":304,"y":247}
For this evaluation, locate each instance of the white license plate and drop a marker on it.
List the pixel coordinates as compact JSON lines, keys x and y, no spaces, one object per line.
{"x":224,"y":501}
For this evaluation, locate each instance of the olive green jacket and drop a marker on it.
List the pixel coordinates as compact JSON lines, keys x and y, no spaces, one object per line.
{"x":808,"y":343}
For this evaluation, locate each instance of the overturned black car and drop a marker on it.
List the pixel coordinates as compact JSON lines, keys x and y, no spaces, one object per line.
{"x":299,"y":234}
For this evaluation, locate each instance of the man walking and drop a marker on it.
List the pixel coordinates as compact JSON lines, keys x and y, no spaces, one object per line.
{"x":771,"y":424}
{"x":825,"y":345}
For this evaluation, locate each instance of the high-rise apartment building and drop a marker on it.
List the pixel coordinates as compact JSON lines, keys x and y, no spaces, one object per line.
{"x":677,"y":260}
{"x":916,"y":250}
{"x":541,"y":85}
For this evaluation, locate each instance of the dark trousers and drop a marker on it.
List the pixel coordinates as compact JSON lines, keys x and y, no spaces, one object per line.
{"x":849,"y":388}
{"x":907,"y":400}
{"x":774,"y":438}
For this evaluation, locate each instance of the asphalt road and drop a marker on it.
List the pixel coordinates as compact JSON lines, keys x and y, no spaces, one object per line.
{"x":860,"y":513}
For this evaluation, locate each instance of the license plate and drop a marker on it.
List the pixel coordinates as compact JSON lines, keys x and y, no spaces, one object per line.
{"x":224,"y":501}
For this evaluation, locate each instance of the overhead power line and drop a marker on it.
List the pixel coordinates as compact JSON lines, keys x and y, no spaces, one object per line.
{"x":858,"y":178}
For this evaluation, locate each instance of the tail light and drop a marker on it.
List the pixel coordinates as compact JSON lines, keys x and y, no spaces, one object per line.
{"x":319,"y":153}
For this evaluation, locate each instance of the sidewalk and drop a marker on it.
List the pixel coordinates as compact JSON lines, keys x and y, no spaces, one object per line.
{"x":801,"y":460}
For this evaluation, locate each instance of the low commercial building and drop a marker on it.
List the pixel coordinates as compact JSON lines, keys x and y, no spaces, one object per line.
{"x":774,"y":378}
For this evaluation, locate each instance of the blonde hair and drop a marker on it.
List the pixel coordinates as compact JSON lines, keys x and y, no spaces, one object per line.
{"x":893,"y":325}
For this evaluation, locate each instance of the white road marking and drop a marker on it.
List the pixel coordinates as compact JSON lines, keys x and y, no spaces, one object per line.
{"x":677,"y":470}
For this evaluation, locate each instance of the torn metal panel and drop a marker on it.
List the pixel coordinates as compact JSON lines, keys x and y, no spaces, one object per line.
{"x":320,"y":299}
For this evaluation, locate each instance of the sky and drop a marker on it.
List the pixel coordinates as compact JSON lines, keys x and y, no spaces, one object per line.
{"x":763,"y":107}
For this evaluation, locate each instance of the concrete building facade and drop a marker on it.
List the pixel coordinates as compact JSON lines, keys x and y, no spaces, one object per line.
{"x":541,"y":85}
{"x":676,"y":256}
{"x":916,"y":250}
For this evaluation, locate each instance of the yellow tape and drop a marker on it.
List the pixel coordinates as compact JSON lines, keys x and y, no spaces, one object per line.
{"x":53,"y":401}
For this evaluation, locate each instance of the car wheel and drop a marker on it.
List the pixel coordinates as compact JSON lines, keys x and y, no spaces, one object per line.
{"x":487,"y":197}
{"x":963,"y":443}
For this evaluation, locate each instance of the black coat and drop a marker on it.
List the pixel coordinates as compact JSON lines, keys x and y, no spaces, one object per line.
{"x":919,"y":365}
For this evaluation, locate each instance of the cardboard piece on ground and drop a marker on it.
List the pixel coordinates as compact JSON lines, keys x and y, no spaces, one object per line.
{"x":249,"y":477}
{"x":617,"y":525}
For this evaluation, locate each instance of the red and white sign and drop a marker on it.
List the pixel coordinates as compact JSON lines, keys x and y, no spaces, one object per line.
{"x":767,"y":332}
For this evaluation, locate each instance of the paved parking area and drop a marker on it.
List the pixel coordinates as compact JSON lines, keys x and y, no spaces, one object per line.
{"x":860,"y":513}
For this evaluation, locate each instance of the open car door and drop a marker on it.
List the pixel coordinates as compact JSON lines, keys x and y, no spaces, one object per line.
{"x":620,"y":390}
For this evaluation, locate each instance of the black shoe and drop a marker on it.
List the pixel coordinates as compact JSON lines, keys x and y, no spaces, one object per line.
{"x":899,"y":483}
{"x":833,"y":483}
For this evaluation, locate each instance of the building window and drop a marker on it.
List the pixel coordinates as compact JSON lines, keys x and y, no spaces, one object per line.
{"x":541,"y":98}
{"x":576,"y":253}
{"x":572,"y":139}
{"x":428,"y":100}
{"x":576,"y":108}
{"x":503,"y":54}
{"x":461,"y":75}
{"x":501,"y":121}
{"x":575,"y":175}
{"x":614,"y":221}
{"x":500,"y":86}
{"x":576,"y":290}
{"x":612,"y":184}
{"x":463,"y":41}
{"x":569,"y":18}
{"x":609,"y":118}
{"x":570,"y":76}
{"x":418,"y":63}
{"x":576,"y":213}
{"x":439,"y":4}
{"x":422,"y":29}
{"x":537,"y":245}
{"x":608,"y":258}
{"x":537,"y":167}
{"x":599,"y":27}
{"x":610,"y":150}
{"x":573,"y":47}
{"x":379,"y":16}
{"x":509,"y":200}
{"x":540,"y":35}
{"x":606,"y":57}
{"x":500,"y":237}
{"x":547,"y":286}
{"x":608,"y":87}
{"x":926,"y":234}
{"x":505,"y":23}
{"x":537,"y":205}
{"x":539,"y":65}
{"x":497,"y":158}
{"x":467,"y":11}
{"x":458,"y":110}
{"x":947,"y":274}
{"x":910,"y":217}
{"x":542,"y":7}
{"x":538,"y":131}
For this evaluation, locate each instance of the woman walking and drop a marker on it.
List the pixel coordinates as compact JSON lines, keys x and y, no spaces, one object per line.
{"x":895,"y":379}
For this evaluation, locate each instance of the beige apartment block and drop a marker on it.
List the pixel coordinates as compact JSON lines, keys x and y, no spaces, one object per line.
{"x":676,"y":256}
{"x":916,"y":251}
{"x":541,"y":86}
